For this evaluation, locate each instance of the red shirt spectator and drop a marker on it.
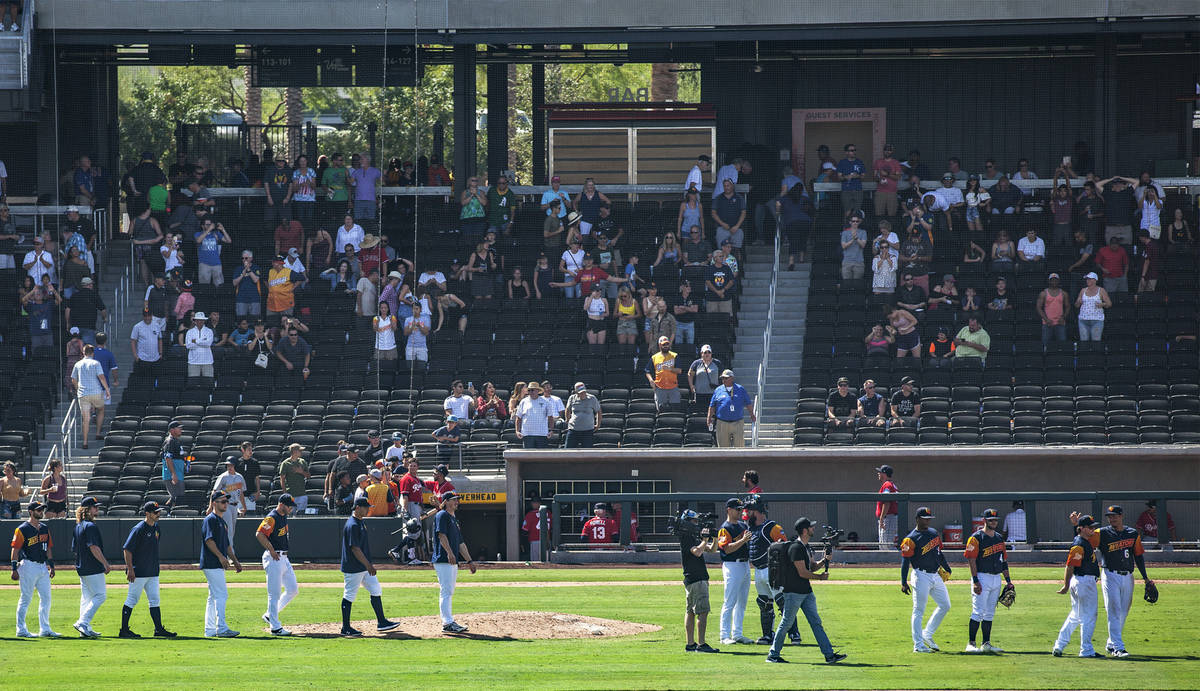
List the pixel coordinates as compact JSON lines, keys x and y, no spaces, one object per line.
{"x":586,"y":277}
{"x":1113,"y":261}
{"x":288,"y":235}
{"x":371,"y":258}
{"x":412,"y":486}
{"x":1147,"y":523}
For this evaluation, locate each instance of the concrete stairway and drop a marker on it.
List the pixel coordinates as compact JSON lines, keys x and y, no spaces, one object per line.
{"x":787,"y":339}
{"x":79,"y":465}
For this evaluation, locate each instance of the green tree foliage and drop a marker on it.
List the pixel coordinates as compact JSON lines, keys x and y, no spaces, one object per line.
{"x":152,"y":101}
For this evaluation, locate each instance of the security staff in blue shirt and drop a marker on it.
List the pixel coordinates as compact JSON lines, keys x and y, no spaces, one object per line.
{"x":730,"y":404}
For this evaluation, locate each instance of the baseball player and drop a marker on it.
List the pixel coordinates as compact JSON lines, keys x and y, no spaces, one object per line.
{"x":1120,"y":548}
{"x":216,"y":554}
{"x":600,"y":528}
{"x":272,"y":534}
{"x":141,"y":571}
{"x":985,"y":553}
{"x":357,"y":570}
{"x":90,"y":565}
{"x":922,"y":552}
{"x":531,"y":526}
{"x":448,"y":548}
{"x":232,"y":483}
{"x":1079,"y":578}
{"x":762,"y":533}
{"x":33,"y":566}
{"x":733,"y":541}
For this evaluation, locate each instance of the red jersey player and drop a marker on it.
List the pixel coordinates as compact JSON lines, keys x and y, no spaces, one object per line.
{"x":601,"y":529}
{"x":750,"y":482}
{"x":532,"y":530}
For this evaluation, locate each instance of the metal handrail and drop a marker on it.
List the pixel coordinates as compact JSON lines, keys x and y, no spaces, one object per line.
{"x":478,"y":455}
{"x":46,"y":471}
{"x":759,"y":395}
{"x":1039,"y":184}
{"x":442,"y":191}
{"x":68,"y":431}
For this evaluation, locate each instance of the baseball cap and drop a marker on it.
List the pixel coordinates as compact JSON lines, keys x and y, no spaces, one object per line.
{"x":885,"y":469}
{"x":842,"y":380}
{"x":376,"y":473}
{"x":450,"y":495}
{"x":947,"y":176}
{"x":600,"y":505}
{"x":72,"y":208}
{"x":1086,"y":521}
{"x":379,"y":464}
{"x":345,"y":447}
{"x":706,"y":348}
{"x":555,"y":178}
{"x":663,"y":339}
{"x":733,"y":503}
{"x":36,"y":505}
{"x":1053,"y":275}
{"x":175,"y":424}
{"x":74,"y":330}
{"x":704,"y":157}
{"x":293,"y":252}
{"x":89,"y":501}
{"x":373,"y":434}
{"x":580,"y":386}
{"x":85,"y":281}
{"x":231,"y":461}
{"x":361,"y":479}
{"x":1091,"y":274}
{"x":151,"y":507}
{"x":278,"y":258}
{"x":362,"y":502}
{"x":727,"y":373}
{"x":991,"y":514}
{"x":803,"y":523}
{"x":1114,"y":510}
{"x":924,"y":512}
{"x":396,"y":436}
{"x":218,"y":496}
{"x":826,"y":166}
{"x":907,"y":380}
{"x":756,"y":503}
{"x":441,"y":468}
{"x":286,"y":500}
{"x":451,"y":418}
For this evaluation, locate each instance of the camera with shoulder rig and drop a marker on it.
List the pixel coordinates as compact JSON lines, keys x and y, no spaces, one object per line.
{"x":693,"y":524}
{"x":831,"y":538}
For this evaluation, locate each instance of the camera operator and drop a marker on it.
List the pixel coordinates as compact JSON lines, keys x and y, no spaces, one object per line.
{"x":694,"y":541}
{"x":797,"y":570}
{"x":733,"y":541}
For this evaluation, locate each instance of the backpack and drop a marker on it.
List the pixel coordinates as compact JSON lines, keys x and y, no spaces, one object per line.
{"x":777,"y":558}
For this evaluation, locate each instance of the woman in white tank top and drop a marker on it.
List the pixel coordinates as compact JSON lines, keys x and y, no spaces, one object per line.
{"x":1091,"y":302}
{"x":385,"y":333}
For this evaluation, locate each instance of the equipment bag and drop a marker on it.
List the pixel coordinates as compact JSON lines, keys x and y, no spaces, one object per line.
{"x":776,"y":562}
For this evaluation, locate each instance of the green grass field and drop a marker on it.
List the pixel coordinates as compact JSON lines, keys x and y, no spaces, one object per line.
{"x":868,"y":622}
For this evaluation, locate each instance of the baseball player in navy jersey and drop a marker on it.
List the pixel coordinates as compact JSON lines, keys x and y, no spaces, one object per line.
{"x":1079,"y":578}
{"x":922,"y":552}
{"x":33,"y":566}
{"x":90,"y":565}
{"x":357,"y":570}
{"x":216,"y":555}
{"x":762,"y":533}
{"x":985,"y":553}
{"x":141,"y":571}
{"x":1120,"y":548}
{"x":272,"y":534}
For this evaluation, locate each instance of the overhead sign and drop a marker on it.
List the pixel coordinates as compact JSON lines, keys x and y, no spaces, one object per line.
{"x":337,"y":66}
{"x":471,"y":497}
{"x":395,"y":67}
{"x":286,"y":66}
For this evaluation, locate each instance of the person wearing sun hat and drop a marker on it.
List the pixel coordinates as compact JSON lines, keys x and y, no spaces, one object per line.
{"x":199,"y":340}
{"x":534,"y":417}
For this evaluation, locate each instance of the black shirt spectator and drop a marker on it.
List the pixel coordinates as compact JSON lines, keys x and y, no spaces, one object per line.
{"x":1005,"y":198}
{"x":843,"y":405}
{"x":694,"y":569}
{"x":915,"y":246}
{"x":728,"y":209}
{"x":722,"y":278}
{"x":905,"y":406}
{"x":1119,"y":207}
{"x":85,"y":305}
{"x":351,"y":466}
{"x":696,"y":252}
{"x":293,"y":352}
{"x":792,"y":581}
{"x":250,"y":470}
{"x":685,"y":317}
{"x":911,"y":296}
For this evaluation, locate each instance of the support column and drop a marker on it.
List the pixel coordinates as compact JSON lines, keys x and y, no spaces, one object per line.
{"x":1105,"y":96}
{"x":464,"y":112}
{"x":537,"y":81}
{"x":497,"y":120}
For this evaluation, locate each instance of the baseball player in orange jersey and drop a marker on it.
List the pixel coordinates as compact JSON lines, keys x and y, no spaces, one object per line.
{"x":1079,"y":579}
{"x":985,"y":553}
{"x":922,"y":552}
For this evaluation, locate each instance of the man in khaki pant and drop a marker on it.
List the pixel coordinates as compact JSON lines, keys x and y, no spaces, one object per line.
{"x":729,"y":406}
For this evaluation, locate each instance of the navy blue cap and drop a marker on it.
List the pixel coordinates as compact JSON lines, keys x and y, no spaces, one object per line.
{"x":175,"y":424}
{"x":885,"y":469}
{"x":989,"y":514}
{"x":151,"y":507}
{"x":924,"y":512}
{"x":1114,"y":510}
{"x":218,"y":496}
{"x":362,"y":502}
{"x":1086,"y":521}
{"x":450,"y":495}
{"x":36,"y":505}
{"x":286,"y":500}
{"x":733,"y":503}
{"x":89,"y":501}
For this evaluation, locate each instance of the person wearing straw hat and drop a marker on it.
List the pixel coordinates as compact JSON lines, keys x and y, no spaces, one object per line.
{"x":728,"y":408}
{"x":534,"y":417}
{"x":199,"y":340}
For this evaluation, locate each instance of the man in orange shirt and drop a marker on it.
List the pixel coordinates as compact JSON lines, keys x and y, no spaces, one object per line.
{"x":281,"y":286}
{"x":663,"y":375}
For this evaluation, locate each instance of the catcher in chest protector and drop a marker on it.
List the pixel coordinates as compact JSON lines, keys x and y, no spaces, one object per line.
{"x":985,"y":553}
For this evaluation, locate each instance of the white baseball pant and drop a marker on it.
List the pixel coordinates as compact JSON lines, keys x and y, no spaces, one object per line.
{"x":353,"y":581}
{"x":230,"y":517}
{"x":279,"y":576}
{"x":887,"y":534}
{"x":149,"y":584}
{"x":762,"y":584}
{"x":447,"y":576}
{"x":737,"y":593}
{"x":1083,"y":615}
{"x":535,"y":550}
{"x":927,"y":585}
{"x":983,"y":605}
{"x":92,"y":594}
{"x":1118,"y":596}
{"x":214,"y":607}
{"x":34,"y":576}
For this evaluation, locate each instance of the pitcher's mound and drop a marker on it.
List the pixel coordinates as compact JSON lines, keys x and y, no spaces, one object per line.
{"x":499,"y":625}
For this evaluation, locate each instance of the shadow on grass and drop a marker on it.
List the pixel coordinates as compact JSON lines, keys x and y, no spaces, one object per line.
{"x":484,"y":637}
{"x":396,"y":636}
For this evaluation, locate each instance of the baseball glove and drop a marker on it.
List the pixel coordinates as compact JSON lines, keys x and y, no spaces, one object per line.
{"x":944,"y":574}
{"x":1008,"y":595}
{"x":1151,"y":595}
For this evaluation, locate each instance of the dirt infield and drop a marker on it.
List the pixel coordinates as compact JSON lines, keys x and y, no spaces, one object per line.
{"x":492,"y":626}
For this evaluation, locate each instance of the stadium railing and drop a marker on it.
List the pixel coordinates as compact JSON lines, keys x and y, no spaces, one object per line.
{"x":467,"y":455}
{"x":1193,"y":183}
{"x":760,"y":395}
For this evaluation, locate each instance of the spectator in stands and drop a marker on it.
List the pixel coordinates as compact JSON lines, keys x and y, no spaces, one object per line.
{"x":911,"y":296}
{"x":886,"y":234}
{"x":1150,"y":251}
{"x":991,"y":171}
{"x":296,"y":355}
{"x":92,"y":391}
{"x":684,"y":307}
{"x":208,"y":251}
{"x":663,"y":375}
{"x":977,"y":202}
{"x":1148,"y":524}
{"x":364,"y":180}
{"x":480,"y":271}
{"x":911,"y":196}
{"x":1089,"y":207}
{"x":695,"y":177}
{"x":371,"y":255}
{"x":696,"y":250}
{"x":384,"y":326}
{"x":878,"y":341}
{"x":489,"y":410}
{"x":260,"y":345}
{"x":872,"y":408}
{"x":246,"y":286}
{"x":669,"y":259}
{"x":827,"y":174}
{"x":1113,"y":262}
{"x":534,"y":417}
{"x":302,"y":192}
{"x":653,"y":304}
{"x":501,"y":207}
{"x":553,"y":230}
{"x":729,"y":213}
{"x":14,"y":490}
{"x":902,"y":326}
{"x":277,"y":180}
{"x":1004,"y":254}
{"x":1179,"y":235}
{"x":941,"y":348}
{"x":951,"y":203}
{"x":519,"y":289}
{"x":629,"y":312}
{"x":472,"y":216}
{"x":883,"y":268}
{"x":54,"y":490}
{"x":570,"y":264}
{"x":39,"y":304}
{"x":1031,"y":251}
{"x":74,"y":353}
{"x":583,"y":415}
{"x":1014,"y":523}
{"x":38,"y":262}
{"x":349,"y":233}
{"x":281,"y":287}
{"x":588,"y":203}
{"x":1062,"y":209}
{"x":1054,"y":308}
{"x":559,"y":405}
{"x":292,"y":261}
{"x":1084,"y":263}
{"x":416,"y":330}
{"x":661,"y":324}
{"x":691,"y":213}
{"x":1120,"y":206}
{"x":850,"y":171}
{"x":145,"y":340}
{"x":916,"y":252}
{"x":459,"y":403}
{"x":293,"y":475}
{"x":436,"y":174}
{"x":1006,"y":197}
{"x":8,"y":237}
{"x":83,"y":308}
{"x":596,"y":308}
{"x":555,"y":192}
{"x":972,"y":341}
{"x":1150,"y":215}
{"x":1024,"y":173}
{"x":854,"y":239}
{"x":887,"y":176}
{"x":945,"y":294}
{"x":240,"y":336}
{"x":704,"y":375}
{"x":841,"y":407}
{"x":199,"y":340}
{"x":720,"y":284}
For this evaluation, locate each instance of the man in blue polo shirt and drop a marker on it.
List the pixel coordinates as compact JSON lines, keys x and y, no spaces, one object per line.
{"x":851,"y":170}
{"x":728,"y":408}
